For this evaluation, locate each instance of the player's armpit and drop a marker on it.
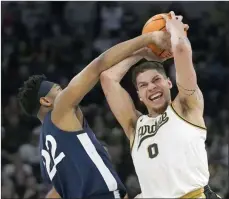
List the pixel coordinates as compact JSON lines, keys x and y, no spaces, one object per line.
{"x":191,"y":99}
{"x":121,"y":105}
{"x":52,"y":194}
{"x":79,"y":114}
{"x":194,"y":116}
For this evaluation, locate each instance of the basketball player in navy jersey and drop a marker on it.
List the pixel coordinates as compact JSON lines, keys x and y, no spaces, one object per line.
{"x":72,"y":158}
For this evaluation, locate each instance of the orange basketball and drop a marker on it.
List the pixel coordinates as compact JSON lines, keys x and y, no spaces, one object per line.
{"x":157,"y":23}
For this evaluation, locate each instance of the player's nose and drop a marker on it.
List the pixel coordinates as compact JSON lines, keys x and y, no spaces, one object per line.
{"x":151,"y":86}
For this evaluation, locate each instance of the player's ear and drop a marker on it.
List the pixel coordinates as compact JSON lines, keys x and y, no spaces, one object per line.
{"x":45,"y":101}
{"x":170,"y":83}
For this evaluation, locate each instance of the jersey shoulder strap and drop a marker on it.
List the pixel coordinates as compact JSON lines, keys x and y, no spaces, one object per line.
{"x":140,"y":118}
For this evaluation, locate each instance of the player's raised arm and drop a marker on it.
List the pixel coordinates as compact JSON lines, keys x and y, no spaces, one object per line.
{"x":117,"y":97}
{"x":189,"y":92}
{"x":83,"y":82}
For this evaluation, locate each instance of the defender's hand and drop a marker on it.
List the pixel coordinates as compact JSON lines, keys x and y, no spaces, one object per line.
{"x":149,"y":55}
{"x":162,"y":39}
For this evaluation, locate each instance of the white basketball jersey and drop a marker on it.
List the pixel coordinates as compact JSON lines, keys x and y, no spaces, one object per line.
{"x":169,"y":156}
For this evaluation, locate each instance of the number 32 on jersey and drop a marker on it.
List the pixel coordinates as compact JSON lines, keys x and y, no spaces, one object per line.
{"x":47,"y":157}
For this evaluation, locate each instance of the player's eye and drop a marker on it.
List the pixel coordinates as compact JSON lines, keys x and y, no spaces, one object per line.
{"x":156,"y":79}
{"x":142,"y":85}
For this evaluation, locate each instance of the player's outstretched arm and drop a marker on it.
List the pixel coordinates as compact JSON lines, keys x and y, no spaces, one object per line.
{"x":82,"y":83}
{"x":186,"y":79}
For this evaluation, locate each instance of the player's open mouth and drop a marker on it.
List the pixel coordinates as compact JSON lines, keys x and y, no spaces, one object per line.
{"x":155,"y":97}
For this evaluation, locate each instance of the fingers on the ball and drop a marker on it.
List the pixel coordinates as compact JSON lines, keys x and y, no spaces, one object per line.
{"x":166,"y":18}
{"x":186,"y":27}
{"x":173,"y":16}
{"x":179,"y":17}
{"x":148,"y":50}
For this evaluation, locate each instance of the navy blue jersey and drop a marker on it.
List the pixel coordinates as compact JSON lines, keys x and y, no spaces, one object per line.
{"x":76,"y":163}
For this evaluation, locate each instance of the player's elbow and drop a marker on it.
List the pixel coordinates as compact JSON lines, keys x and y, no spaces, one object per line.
{"x":107,"y":83}
{"x":98,"y":65}
{"x":106,"y":77}
{"x":103,"y":63}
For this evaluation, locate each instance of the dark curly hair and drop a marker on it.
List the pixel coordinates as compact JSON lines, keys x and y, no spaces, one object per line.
{"x":28,"y":95}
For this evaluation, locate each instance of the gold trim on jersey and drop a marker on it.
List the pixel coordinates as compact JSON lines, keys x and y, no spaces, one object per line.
{"x":204,"y":128}
{"x":199,"y":193}
{"x":135,"y":132}
{"x":131,"y":145}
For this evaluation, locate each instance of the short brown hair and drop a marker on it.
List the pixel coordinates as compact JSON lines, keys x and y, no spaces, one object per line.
{"x":147,"y":65}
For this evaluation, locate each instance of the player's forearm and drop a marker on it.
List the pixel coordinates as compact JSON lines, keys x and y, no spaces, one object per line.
{"x":185,"y":72}
{"x":118,"y":71}
{"x":121,"y":51}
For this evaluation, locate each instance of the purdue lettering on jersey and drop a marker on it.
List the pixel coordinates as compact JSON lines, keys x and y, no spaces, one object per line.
{"x":147,"y":131}
{"x":169,"y":156}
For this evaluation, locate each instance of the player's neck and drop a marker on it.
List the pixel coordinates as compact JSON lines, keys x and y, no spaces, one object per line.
{"x":41,"y":115}
{"x":154,"y":113}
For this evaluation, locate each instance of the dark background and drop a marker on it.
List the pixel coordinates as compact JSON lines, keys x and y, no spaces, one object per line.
{"x":60,"y":38}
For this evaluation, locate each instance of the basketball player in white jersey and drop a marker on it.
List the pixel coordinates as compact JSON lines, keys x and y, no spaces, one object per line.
{"x":168,"y":144}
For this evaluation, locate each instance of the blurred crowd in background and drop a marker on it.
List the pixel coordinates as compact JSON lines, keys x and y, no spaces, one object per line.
{"x":58,"y":39}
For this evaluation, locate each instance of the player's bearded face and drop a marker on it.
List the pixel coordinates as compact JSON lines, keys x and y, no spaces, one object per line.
{"x":154,"y":90}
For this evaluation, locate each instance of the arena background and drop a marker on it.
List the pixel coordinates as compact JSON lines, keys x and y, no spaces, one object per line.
{"x":60,"y":38}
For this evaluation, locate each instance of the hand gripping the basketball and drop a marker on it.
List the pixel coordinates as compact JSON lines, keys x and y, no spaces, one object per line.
{"x":177,"y":29}
{"x":162,"y":39}
{"x":174,"y":25}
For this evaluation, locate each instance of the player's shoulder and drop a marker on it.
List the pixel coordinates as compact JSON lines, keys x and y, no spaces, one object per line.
{"x":141,"y":118}
{"x":66,"y":121}
{"x":193,"y":118}
{"x":138,"y":114}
